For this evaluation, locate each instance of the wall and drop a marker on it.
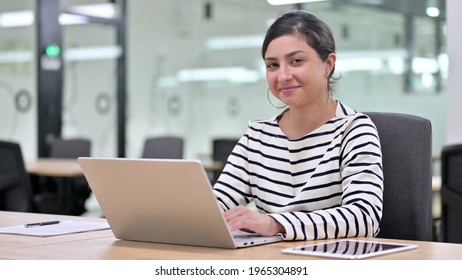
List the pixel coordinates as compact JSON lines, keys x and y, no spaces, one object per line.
{"x":454,"y":102}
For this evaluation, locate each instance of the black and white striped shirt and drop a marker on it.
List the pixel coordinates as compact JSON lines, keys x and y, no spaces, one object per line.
{"x":327,"y":184}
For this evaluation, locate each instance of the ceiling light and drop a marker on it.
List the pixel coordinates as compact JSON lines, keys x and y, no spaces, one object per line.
{"x":26,"y":18}
{"x":71,"y":54}
{"x":16,"y":19}
{"x":105,"y":10}
{"x":230,"y":74}
{"x":432,"y":8}
{"x":433,"y":11}
{"x":285,"y":2}
{"x":69,"y":19}
{"x":93,"y":53}
{"x":234,"y":42}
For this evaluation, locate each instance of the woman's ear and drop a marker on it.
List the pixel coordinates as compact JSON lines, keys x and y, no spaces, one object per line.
{"x":330,"y":63}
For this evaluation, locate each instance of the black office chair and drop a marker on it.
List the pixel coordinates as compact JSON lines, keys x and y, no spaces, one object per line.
{"x":451,"y":193}
{"x":46,"y":198}
{"x":166,"y":147}
{"x":407,"y":167}
{"x":70,"y":148}
{"x":15,"y":186}
{"x":221,"y":149}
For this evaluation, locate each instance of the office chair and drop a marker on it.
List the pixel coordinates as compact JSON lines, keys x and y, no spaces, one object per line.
{"x":46,"y":199}
{"x":70,"y":148}
{"x":166,"y":147}
{"x":451,"y":193}
{"x":221,"y":149}
{"x":406,"y":157}
{"x":15,"y":185}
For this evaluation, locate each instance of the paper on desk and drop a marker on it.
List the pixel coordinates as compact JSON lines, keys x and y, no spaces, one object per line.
{"x":64,"y":227}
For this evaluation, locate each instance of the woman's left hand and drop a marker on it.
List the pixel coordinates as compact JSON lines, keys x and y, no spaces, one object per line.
{"x":245,"y":219}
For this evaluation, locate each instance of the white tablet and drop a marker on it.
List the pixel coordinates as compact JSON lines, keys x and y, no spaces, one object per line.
{"x":349,"y":249}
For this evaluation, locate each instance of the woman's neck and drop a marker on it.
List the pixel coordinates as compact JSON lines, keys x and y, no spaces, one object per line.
{"x":298,"y":122}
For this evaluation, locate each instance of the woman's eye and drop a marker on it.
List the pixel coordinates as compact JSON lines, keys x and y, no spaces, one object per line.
{"x":271,"y":65}
{"x":297,"y":60}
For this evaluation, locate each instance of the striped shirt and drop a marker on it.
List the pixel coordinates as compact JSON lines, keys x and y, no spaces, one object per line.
{"x":327,"y":184}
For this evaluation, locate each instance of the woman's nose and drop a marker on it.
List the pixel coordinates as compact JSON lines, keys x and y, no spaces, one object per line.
{"x":284,"y":73}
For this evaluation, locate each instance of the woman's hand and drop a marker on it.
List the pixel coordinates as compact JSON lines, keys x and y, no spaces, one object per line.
{"x":245,"y":219}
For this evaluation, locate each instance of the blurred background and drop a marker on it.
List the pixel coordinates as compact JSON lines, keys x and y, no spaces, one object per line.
{"x":193,"y":68}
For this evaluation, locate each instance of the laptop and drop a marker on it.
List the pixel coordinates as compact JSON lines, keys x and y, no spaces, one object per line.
{"x":163,"y":201}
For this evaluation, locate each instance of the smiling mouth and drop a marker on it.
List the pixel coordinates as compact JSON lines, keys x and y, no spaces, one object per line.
{"x":288,"y":89}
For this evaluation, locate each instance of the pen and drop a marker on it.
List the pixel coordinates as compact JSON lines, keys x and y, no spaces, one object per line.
{"x":41,"y":224}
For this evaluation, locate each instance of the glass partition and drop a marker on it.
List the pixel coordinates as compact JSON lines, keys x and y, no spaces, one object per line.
{"x":17,"y":75}
{"x":195,"y":68}
{"x":89,"y":87}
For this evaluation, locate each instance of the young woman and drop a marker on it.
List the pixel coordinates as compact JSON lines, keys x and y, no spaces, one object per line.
{"x":315,"y":170}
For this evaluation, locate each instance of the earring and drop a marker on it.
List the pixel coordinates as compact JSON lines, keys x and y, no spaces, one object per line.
{"x":277,"y":107}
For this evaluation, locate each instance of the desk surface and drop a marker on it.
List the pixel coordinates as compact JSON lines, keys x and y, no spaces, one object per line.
{"x":436,"y":183}
{"x":103,"y":245}
{"x":54,"y":167}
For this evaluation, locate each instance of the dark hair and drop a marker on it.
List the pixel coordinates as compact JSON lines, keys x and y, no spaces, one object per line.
{"x":311,"y":28}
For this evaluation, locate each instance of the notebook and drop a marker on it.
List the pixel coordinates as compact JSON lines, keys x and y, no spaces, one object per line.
{"x":162,"y":201}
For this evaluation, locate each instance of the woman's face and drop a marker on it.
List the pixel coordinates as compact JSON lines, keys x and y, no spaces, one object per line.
{"x":296,"y":74}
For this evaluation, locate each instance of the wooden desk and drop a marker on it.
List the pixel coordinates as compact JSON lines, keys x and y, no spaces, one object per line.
{"x":103,"y":245}
{"x":436,"y":205}
{"x":54,"y":167}
{"x":436,"y":183}
{"x":213,"y":166}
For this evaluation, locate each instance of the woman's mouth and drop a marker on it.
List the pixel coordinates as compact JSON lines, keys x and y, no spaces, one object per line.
{"x":287,"y":90}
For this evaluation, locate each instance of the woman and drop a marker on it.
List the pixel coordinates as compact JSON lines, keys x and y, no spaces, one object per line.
{"x":315,"y":170}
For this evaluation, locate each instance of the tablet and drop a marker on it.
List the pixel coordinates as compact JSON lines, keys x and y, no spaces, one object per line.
{"x":349,"y":249}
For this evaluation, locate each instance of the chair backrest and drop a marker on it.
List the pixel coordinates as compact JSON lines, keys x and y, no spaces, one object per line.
{"x":451,"y":193}
{"x":166,"y":147}
{"x":70,"y":148}
{"x":406,"y":143}
{"x":15,"y":185}
{"x":222,"y":148}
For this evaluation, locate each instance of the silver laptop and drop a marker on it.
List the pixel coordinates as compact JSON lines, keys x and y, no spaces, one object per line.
{"x":163,"y":201}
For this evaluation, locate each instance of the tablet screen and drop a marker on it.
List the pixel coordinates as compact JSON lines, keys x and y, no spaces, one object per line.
{"x":349,"y":249}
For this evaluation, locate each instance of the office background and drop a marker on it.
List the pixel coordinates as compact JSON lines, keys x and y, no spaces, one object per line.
{"x":194,"y":69}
